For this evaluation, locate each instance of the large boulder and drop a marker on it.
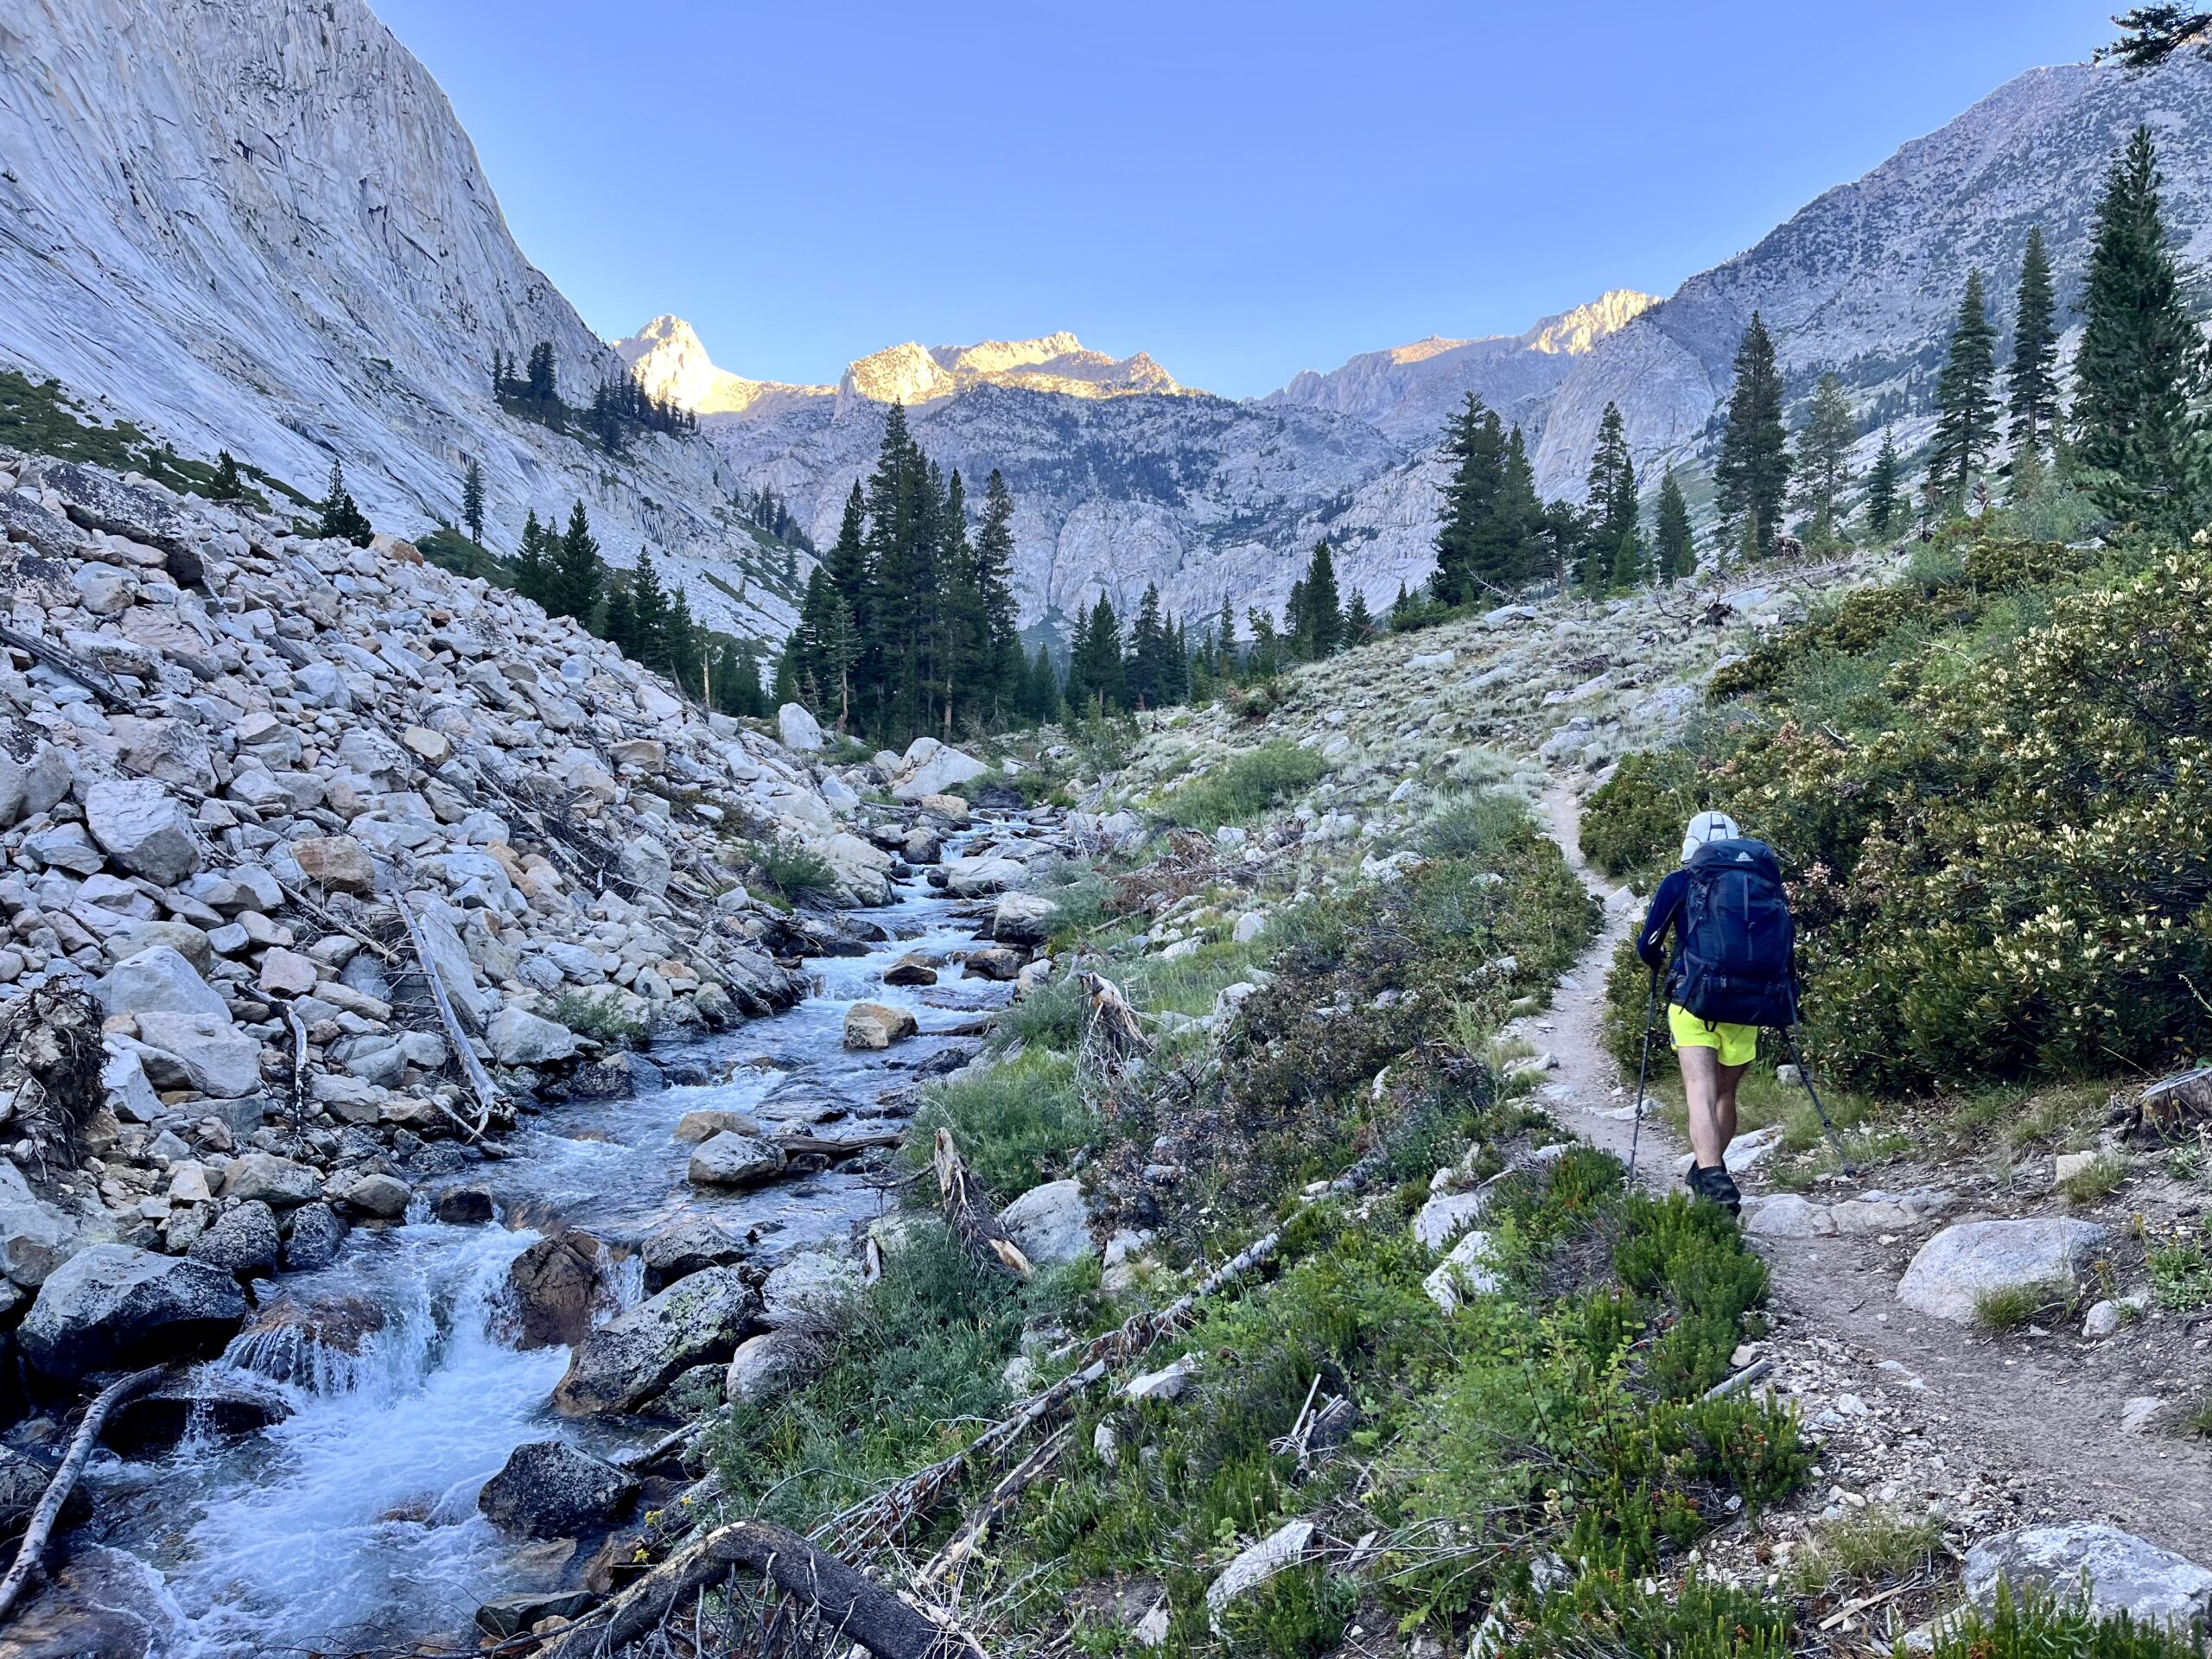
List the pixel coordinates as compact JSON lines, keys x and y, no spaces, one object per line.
{"x":1023,"y":918}
{"x":809,"y":1292}
{"x":112,"y":1307}
{"x":800,"y":729}
{"x":199,"y":1051}
{"x":555,"y":1282}
{"x":878,"y":1025}
{"x":645,"y":863}
{"x":336,"y":863}
{"x":731,"y":1160}
{"x":36,"y":1236}
{"x":931,"y":768}
{"x":770,"y":1365}
{"x":2125,"y":1573}
{"x":159,"y":981}
{"x":1050,"y":1224}
{"x":983,"y":874}
{"x":1962,"y":1264}
{"x":518,"y":1037}
{"x":244,"y":1242}
{"x":549,"y":1490}
{"x":218,"y":1399}
{"x":265,"y":1178}
{"x":143,"y":828}
{"x":705,"y":1122}
{"x":696,"y":1321}
{"x":688,"y":1245}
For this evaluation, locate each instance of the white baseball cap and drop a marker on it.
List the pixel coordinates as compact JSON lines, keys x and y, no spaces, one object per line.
{"x":1707,"y":826}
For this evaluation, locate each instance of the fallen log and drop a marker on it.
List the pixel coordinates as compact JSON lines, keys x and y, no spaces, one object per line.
{"x":848,"y":1600}
{"x":70,"y":666}
{"x":797,"y":1145}
{"x":1020,"y":1479}
{"x":479,"y":1080}
{"x":65,"y":1481}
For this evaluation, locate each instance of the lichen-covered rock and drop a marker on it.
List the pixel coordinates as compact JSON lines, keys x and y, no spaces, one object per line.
{"x":1050,"y":1223}
{"x":634,"y":1356}
{"x":1961,"y":1264}
{"x":878,"y":1025}
{"x":548,"y":1489}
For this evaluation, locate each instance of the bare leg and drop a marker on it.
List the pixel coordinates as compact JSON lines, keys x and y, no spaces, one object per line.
{"x":1710,"y":1090}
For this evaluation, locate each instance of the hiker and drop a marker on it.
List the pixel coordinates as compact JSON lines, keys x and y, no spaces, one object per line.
{"x":1729,"y":974}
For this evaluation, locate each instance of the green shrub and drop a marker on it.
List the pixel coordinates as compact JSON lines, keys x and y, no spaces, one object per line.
{"x":599,"y":1014}
{"x":2035,"y":1625}
{"x":1298,"y":1614}
{"x":1608,"y":1611}
{"x":791,"y":870}
{"x":1872,"y":1546}
{"x":451,"y":550}
{"x":1016,"y":1124}
{"x":2099,"y":1180}
{"x":1474,"y":824}
{"x":2180,"y":1274}
{"x":1632,"y":823}
{"x":2010,"y":1306}
{"x":1244,"y":786}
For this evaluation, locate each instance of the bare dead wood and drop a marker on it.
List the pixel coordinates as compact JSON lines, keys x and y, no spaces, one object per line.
{"x":299,"y":1066}
{"x":384,"y":952}
{"x":57,"y":1491}
{"x":1017,"y":1481}
{"x":835,"y":1592}
{"x":974,"y":1222}
{"x":1111,"y":1027}
{"x":797,"y":1144}
{"x":479,"y":1080}
{"x":70,"y":666}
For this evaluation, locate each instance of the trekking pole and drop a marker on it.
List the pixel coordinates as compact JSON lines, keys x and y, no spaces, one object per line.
{"x":1806,"y":1078}
{"x":1642,"y":1067}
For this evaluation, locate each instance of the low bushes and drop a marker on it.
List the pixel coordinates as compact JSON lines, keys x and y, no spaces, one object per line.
{"x":1244,"y":786}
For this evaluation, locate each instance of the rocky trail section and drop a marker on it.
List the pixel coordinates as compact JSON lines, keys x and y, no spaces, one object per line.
{"x":1875,"y":1336}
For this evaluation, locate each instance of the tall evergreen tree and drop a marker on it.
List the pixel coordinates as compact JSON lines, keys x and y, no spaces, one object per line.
{"x":1096,"y":679}
{"x":1044,"y":695}
{"x":1674,"y":546}
{"x":619,"y":620}
{"x":1881,"y":482}
{"x":341,"y":519}
{"x":578,"y":574}
{"x":533,"y":563}
{"x":540,"y":383}
{"x":2141,"y":358}
{"x":472,"y":501}
{"x":1615,"y":558}
{"x":1001,"y":664}
{"x":652,"y":640}
{"x":1142,"y":669}
{"x":1966,"y":410}
{"x":2031,"y":381}
{"x":1824,"y":454}
{"x":1752,"y":474}
{"x":1475,"y":444}
{"x":683,"y":645}
{"x":1359,"y":622}
{"x":1321,"y":621}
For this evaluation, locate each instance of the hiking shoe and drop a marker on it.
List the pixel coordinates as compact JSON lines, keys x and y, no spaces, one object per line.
{"x":1717,"y":1184}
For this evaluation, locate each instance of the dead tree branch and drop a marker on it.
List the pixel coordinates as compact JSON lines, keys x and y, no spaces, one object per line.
{"x":974,"y":1222}
{"x":65,"y":1481}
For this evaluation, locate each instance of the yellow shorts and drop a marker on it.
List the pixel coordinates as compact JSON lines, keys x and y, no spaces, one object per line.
{"x":1738,"y":1043}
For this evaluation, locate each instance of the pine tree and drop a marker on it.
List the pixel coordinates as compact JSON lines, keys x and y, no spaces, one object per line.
{"x":619,"y":620}
{"x":577,"y":572}
{"x":1882,"y":482}
{"x":540,"y":383}
{"x":1673,"y":545}
{"x":1615,"y":557}
{"x":1043,"y":695}
{"x":227,"y":485}
{"x":840,"y":644}
{"x":1096,"y":679}
{"x":1824,"y":455}
{"x":1359,"y":623}
{"x":532,"y":573}
{"x":1001,"y":664}
{"x":651,"y":638}
{"x":341,"y":519}
{"x":2141,"y":359}
{"x":1966,"y":410}
{"x":1507,"y":542}
{"x":1475,"y":444}
{"x":1752,"y":475}
{"x":681,"y":644}
{"x":2031,"y":382}
{"x":471,"y":502}
{"x":1225,"y":635}
{"x":1140,"y":668}
{"x":1321,"y":629}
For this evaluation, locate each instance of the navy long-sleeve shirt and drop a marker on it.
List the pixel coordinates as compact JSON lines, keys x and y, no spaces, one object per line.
{"x":1666,"y":906}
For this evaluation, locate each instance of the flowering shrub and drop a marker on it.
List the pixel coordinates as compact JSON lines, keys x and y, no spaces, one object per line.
{"x":2015,"y":878}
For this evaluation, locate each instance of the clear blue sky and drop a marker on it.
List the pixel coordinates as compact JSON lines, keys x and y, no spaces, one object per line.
{"x":1244,"y":190}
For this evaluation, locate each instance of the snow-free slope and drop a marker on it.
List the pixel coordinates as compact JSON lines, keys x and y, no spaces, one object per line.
{"x":256,"y":224}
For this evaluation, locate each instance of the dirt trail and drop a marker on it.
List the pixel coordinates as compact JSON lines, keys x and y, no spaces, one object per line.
{"x":2003,"y":1430}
